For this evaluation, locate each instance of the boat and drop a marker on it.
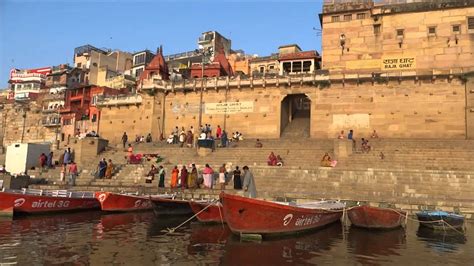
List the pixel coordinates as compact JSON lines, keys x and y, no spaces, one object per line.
{"x":114,"y":202}
{"x":440,"y":220}
{"x":207,"y":211}
{"x":32,"y":201}
{"x":254,"y":216}
{"x":376,"y":218}
{"x":169,"y":205}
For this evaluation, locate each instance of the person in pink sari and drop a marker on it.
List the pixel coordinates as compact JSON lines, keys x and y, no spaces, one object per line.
{"x":207,"y":175}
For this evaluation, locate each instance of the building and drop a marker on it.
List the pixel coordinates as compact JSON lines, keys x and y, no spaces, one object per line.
{"x":264,"y":65}
{"x":381,"y":37}
{"x":92,"y":59}
{"x":157,"y":69}
{"x":239,"y":62}
{"x":295,"y":61}
{"x":63,"y":77}
{"x":217,"y":68}
{"x":115,"y":80}
{"x":26,"y":84}
{"x":140,"y":60}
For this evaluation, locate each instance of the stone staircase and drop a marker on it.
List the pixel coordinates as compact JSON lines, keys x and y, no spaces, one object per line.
{"x":298,"y":128}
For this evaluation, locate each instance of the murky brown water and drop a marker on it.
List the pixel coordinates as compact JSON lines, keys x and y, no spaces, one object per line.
{"x":137,"y":239}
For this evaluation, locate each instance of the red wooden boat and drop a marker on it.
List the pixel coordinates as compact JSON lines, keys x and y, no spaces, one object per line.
{"x":163,"y":204}
{"x":376,"y":218}
{"x":114,"y":202}
{"x":253,"y":216}
{"x":38,"y":201}
{"x":207,"y":212}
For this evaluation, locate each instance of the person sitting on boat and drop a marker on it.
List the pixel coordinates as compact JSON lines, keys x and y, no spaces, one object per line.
{"x":174,"y":177}
{"x":249,"y":183}
{"x":151,"y":174}
{"x":326,"y":160}
{"x":279,"y":161}
{"x":109,"y":170}
{"x":272,"y":159}
{"x":207,"y":174}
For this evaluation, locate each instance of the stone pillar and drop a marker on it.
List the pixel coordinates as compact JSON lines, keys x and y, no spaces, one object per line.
{"x":342,"y":148}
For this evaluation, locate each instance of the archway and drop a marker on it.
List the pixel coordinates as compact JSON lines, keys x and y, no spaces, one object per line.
{"x":295,"y":116}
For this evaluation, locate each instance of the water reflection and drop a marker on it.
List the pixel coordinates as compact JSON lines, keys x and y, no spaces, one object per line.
{"x":288,"y":250}
{"x":441,"y":241}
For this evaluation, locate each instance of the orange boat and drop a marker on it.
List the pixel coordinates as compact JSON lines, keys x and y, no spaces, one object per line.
{"x":376,"y":218}
{"x":254,"y":216}
{"x":207,"y":211}
{"x":113,"y":202}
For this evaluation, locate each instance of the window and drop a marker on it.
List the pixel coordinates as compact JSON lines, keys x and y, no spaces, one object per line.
{"x":377,"y":29}
{"x":335,"y":19}
{"x":456,"y":28}
{"x":348,"y":17}
{"x":400,"y":32}
{"x":94,"y":64}
{"x":470,"y":23}
{"x":287,"y":67}
{"x":139,"y":59}
{"x":361,"y":16}
{"x":138,"y":72}
{"x":307,"y":66}
{"x":261,"y":69}
{"x":432,"y":30}
{"x":79,"y":65}
{"x":271,"y":67}
{"x":296,"y":67}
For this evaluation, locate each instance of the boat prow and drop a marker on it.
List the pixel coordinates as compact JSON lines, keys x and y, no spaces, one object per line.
{"x":207,"y":211}
{"x":114,"y":202}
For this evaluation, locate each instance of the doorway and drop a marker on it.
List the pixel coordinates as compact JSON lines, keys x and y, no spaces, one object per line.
{"x":295,"y":116}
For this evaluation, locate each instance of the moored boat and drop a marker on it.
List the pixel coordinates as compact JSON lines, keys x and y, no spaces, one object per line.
{"x":376,"y":218}
{"x":164,"y":205}
{"x":33,"y":201}
{"x":254,"y":216}
{"x":440,"y":220}
{"x":207,"y":211}
{"x":114,"y":202}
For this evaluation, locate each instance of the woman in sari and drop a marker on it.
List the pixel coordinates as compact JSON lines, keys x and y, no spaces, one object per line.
{"x":174,"y":177}
{"x":207,"y":175}
{"x":237,"y":178}
{"x":184,"y":177}
{"x":109,"y":170}
{"x":326,"y":160}
{"x":272,"y":159}
{"x":192,"y":177}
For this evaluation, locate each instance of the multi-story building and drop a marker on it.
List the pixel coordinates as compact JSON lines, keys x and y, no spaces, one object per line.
{"x":295,"y":61}
{"x":115,"y":80}
{"x":92,"y":59}
{"x":394,"y":36}
{"x":263,"y":65}
{"x":140,"y":60}
{"x":217,"y":68}
{"x":27,"y":84}
{"x":157,"y":69}
{"x":63,"y":77}
{"x":239,"y":62}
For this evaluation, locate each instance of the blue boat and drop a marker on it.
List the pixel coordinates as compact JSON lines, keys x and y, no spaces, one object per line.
{"x":440,"y":220}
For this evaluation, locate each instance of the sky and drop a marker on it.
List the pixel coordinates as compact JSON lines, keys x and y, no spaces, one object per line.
{"x":40,"y":33}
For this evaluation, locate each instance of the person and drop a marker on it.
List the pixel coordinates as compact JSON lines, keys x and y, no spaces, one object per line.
{"x":382,"y":156}
{"x":148,"y":138}
{"x":208,"y":176}
{"x":235,"y":136}
{"x":249,"y":183}
{"x":49,"y":161}
{"x":174,"y":177}
{"x":326,"y":160}
{"x":102,"y":168}
{"x":109,"y":170}
{"x":224,"y":139}
{"x":182,"y":138}
{"x":184,"y":177}
{"x":350,"y":135}
{"x":279,"y":161}
{"x":124,"y":139}
{"x":175,"y":135}
{"x":129,"y":152}
{"x":192,"y":177}
{"x":67,"y":157}
{"x":202,"y":136}
{"x":72,"y":173}
{"x":161,"y":173}
{"x":71,"y":154}
{"x":258,"y":144}
{"x":272,"y":159}
{"x":42,"y":160}
{"x":2,"y":169}
{"x":218,"y":132}
{"x":237,"y":178}
{"x":365,"y":145}
{"x":142,"y":139}
{"x":222,"y":176}
{"x":189,"y":139}
{"x":151,"y":174}
{"x":374,"y":135}
{"x":170,"y":139}
{"x":341,"y":135}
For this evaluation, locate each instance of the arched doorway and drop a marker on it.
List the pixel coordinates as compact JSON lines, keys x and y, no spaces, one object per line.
{"x":295,"y":116}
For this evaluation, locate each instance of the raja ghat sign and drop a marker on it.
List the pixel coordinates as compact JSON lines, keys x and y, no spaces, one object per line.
{"x":398,"y":63}
{"x":228,"y":108}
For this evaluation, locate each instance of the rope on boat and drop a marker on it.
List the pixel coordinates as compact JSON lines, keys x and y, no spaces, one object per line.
{"x":222,"y":218}
{"x":172,"y":230}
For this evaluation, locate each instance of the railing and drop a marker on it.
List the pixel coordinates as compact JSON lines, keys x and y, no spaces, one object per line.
{"x":181,"y":55}
{"x":119,"y":100}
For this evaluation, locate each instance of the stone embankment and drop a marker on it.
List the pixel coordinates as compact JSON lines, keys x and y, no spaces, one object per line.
{"x":414,"y":174}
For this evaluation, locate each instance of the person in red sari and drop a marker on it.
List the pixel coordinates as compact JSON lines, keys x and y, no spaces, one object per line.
{"x":272,"y":159}
{"x":174,"y":177}
{"x":184,"y":178}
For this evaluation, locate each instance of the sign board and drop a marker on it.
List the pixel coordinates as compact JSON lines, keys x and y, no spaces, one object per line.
{"x":344,"y":121}
{"x":228,"y":108}
{"x":398,"y":62}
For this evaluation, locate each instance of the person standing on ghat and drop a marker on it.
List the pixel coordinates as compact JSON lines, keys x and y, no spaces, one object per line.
{"x":249,"y":183}
{"x":72,"y":173}
{"x":161,"y":173}
{"x":124,"y":139}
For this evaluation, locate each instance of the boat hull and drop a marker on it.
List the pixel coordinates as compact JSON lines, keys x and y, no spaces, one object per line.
{"x":252,"y":216}
{"x":440,"y":222}
{"x":376,"y":218}
{"x":112,"y":202}
{"x":212,"y":214}
{"x":33,"y":204}
{"x":166,"y":206}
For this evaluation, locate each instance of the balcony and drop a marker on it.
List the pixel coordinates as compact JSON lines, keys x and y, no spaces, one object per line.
{"x":80,"y":97}
{"x":119,"y":100}
{"x":18,"y":77}
{"x":54,"y":121}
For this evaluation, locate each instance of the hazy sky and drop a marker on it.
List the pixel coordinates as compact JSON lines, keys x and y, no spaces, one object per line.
{"x":36,"y":33}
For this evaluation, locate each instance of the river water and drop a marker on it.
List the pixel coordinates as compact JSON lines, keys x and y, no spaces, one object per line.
{"x":92,"y":238}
